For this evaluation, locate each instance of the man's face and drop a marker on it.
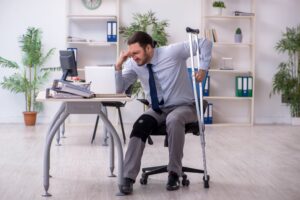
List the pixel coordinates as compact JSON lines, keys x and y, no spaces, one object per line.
{"x":139,"y":54}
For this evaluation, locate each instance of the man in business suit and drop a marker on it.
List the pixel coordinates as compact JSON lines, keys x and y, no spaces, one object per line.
{"x":164,"y":78}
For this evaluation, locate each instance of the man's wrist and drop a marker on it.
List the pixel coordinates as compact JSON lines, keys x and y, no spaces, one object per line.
{"x":118,"y":67}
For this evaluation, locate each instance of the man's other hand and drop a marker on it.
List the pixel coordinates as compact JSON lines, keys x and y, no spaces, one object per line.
{"x":200,"y":75}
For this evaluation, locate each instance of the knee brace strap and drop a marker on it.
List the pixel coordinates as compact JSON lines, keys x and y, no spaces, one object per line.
{"x":143,"y":127}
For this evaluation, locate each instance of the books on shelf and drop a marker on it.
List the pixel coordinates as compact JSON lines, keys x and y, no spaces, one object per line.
{"x":243,"y":86}
{"x":240,"y":13}
{"x":211,"y":34}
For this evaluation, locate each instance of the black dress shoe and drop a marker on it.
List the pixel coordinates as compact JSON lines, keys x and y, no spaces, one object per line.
{"x":127,"y":186}
{"x":173,"y":181}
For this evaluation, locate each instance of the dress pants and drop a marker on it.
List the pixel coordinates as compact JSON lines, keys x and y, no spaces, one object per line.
{"x":175,"y":117}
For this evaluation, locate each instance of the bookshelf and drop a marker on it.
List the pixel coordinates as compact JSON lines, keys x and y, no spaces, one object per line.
{"x":229,"y":109}
{"x":87,"y":31}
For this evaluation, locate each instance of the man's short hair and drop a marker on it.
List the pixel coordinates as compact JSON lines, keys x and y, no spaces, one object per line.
{"x":142,"y":38}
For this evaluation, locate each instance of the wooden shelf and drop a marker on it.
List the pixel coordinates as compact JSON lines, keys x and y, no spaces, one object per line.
{"x":228,"y":17}
{"x":231,"y":71}
{"x":231,"y":44}
{"x":90,"y":17}
{"x":227,"y":98}
{"x":104,"y":43}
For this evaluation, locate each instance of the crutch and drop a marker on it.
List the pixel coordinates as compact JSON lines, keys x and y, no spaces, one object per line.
{"x":193,"y":35}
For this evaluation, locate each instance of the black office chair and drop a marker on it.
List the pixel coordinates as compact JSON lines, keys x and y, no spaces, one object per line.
{"x":118,"y":105}
{"x":161,"y":131}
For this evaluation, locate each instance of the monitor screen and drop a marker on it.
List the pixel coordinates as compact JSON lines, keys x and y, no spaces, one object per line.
{"x":68,"y":63}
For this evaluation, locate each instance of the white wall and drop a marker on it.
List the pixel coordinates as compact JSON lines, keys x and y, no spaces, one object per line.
{"x":272,"y":18}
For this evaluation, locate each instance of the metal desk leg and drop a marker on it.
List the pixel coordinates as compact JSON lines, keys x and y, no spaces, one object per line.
{"x":105,"y":131}
{"x":49,"y":138}
{"x":111,"y":155}
{"x":56,"y":117}
{"x":58,"y":137}
{"x":63,"y":130}
{"x":116,"y":138}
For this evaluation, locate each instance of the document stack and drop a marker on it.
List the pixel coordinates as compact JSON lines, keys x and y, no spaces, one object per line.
{"x":66,"y":90}
{"x":244,"y":85}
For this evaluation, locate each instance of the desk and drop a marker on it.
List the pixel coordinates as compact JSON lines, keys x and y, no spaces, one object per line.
{"x":80,"y":106}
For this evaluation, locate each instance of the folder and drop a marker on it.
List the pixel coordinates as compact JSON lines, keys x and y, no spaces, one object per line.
{"x":250,"y":86}
{"x":111,"y":31}
{"x":238,"y":86}
{"x":245,"y":86}
{"x":206,"y":116}
{"x":210,"y":113}
{"x":206,"y":86}
{"x":114,"y":31}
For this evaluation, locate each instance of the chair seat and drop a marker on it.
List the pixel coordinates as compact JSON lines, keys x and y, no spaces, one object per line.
{"x":192,"y":127}
{"x":113,"y":104}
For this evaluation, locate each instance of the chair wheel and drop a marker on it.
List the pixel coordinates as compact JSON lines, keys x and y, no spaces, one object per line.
{"x":206,"y":182}
{"x":144,"y":179}
{"x":185,"y":182}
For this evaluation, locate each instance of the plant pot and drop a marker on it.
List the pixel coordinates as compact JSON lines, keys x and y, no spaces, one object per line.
{"x":29,"y":118}
{"x":218,"y":11}
{"x":295,"y":121}
{"x":238,"y":38}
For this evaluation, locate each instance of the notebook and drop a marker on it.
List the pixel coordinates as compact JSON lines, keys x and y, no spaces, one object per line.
{"x":102,"y":80}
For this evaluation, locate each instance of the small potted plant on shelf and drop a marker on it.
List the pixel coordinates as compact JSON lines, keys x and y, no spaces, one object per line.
{"x":238,"y":37}
{"x":148,"y":23}
{"x":29,"y":77}
{"x":218,"y":5}
{"x":286,"y":80}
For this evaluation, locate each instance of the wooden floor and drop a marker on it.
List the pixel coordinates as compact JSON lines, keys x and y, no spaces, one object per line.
{"x":245,"y":163}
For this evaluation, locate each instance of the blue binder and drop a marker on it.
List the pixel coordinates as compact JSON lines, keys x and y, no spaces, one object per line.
{"x":210,"y":113}
{"x":111,"y":31}
{"x":245,"y":86}
{"x":206,"y":86}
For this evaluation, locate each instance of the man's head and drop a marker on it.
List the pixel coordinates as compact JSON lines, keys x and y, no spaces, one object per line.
{"x":140,"y":47}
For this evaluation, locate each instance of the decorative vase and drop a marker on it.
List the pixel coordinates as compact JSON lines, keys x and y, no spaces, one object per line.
{"x":238,"y":38}
{"x":295,"y":121}
{"x":29,"y":118}
{"x":218,"y":11}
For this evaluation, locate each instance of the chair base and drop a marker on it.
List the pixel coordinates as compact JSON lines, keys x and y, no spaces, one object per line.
{"x":148,"y":171}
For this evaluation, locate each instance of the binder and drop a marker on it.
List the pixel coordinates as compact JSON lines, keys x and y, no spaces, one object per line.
{"x":238,"y":86}
{"x":206,"y":86}
{"x":210,"y":113}
{"x":206,"y":116}
{"x":114,"y":31}
{"x":250,"y":86}
{"x":245,"y":86}
{"x":111,"y":31}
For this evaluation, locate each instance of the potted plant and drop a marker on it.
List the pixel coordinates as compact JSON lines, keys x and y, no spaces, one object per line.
{"x":218,"y":5}
{"x":238,"y":37}
{"x":148,"y":23}
{"x":286,"y":80}
{"x":30,"y":76}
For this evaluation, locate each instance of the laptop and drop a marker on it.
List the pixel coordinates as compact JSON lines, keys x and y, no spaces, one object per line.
{"x":102,"y":79}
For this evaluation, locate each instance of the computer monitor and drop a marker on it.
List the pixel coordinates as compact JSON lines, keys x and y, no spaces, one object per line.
{"x":68,"y":63}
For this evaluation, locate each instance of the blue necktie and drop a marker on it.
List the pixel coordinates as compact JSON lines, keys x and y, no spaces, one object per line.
{"x":153,"y":92}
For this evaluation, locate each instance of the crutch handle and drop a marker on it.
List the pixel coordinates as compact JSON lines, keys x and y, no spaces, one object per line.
{"x":190,"y":30}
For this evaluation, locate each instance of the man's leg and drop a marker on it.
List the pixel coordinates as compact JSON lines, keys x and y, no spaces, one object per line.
{"x":141,"y":130}
{"x":175,"y":122}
